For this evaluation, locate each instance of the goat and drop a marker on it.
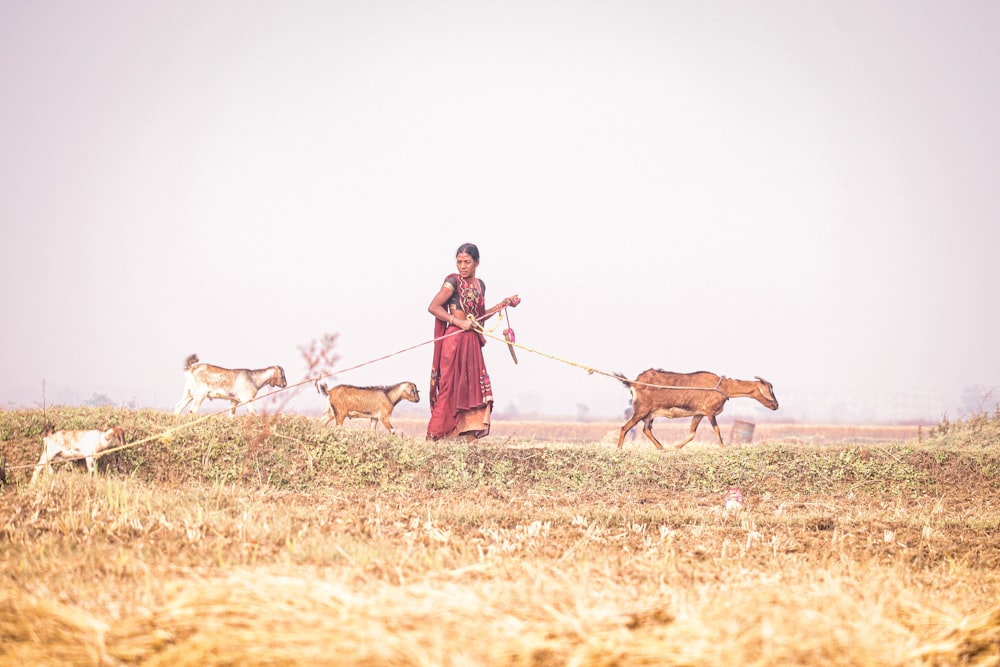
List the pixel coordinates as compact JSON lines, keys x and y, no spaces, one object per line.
{"x":76,"y":444}
{"x":659,"y":393}
{"x":376,"y":403}
{"x":239,"y":386}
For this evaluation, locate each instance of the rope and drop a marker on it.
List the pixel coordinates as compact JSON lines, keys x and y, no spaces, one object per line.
{"x":165,"y":436}
{"x":590,"y":370}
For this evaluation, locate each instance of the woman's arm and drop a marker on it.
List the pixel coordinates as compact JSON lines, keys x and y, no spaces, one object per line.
{"x":438,"y":308}
{"x":510,"y":301}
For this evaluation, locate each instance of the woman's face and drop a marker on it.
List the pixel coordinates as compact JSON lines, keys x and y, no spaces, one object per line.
{"x":466,"y":265}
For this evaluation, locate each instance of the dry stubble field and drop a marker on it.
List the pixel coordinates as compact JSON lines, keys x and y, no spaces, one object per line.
{"x":275,"y":540}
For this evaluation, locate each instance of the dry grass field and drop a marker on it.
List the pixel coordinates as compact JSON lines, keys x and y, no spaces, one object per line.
{"x":277,"y":541}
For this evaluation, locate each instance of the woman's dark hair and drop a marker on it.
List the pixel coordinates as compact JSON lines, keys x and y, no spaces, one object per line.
{"x":469,"y":249}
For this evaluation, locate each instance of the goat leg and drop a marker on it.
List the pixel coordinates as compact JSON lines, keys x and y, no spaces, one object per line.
{"x":694,"y":427}
{"x":385,"y":422}
{"x":183,"y":403}
{"x":715,"y":427}
{"x":632,"y":421}
{"x":43,"y":464}
{"x":647,"y":428}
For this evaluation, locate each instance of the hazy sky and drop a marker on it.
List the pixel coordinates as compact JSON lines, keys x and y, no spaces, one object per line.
{"x":806,"y":191}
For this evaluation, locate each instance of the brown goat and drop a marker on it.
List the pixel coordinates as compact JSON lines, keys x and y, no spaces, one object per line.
{"x":659,"y":393}
{"x":376,"y":403}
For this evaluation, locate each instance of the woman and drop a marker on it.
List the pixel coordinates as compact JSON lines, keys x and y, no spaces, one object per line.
{"x":461,"y":396}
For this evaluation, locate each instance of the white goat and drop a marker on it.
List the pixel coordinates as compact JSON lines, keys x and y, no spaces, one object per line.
{"x":376,"y":403}
{"x":77,"y":444}
{"x":239,"y":386}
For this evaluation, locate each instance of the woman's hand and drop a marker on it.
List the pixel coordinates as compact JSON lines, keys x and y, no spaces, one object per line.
{"x":511,"y":301}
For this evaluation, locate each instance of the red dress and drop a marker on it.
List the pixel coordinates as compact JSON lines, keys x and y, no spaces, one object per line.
{"x":461,"y":395}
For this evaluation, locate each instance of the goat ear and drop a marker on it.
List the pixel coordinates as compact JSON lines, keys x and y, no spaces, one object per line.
{"x":765,"y":387}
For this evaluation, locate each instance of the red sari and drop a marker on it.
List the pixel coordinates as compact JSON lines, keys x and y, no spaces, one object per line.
{"x":461,"y":395}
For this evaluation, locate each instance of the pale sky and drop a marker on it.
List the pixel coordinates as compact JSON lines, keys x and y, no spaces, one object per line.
{"x":805,"y":191}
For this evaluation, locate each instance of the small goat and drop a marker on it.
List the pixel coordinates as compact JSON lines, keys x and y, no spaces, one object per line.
{"x":376,"y":403}
{"x":76,"y":444}
{"x":658,"y":393}
{"x":239,"y":386}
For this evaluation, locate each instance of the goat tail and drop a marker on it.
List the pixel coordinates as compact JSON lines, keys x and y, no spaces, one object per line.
{"x":624,"y":380}
{"x":628,"y":385}
{"x":320,"y":388}
{"x":190,"y":361}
